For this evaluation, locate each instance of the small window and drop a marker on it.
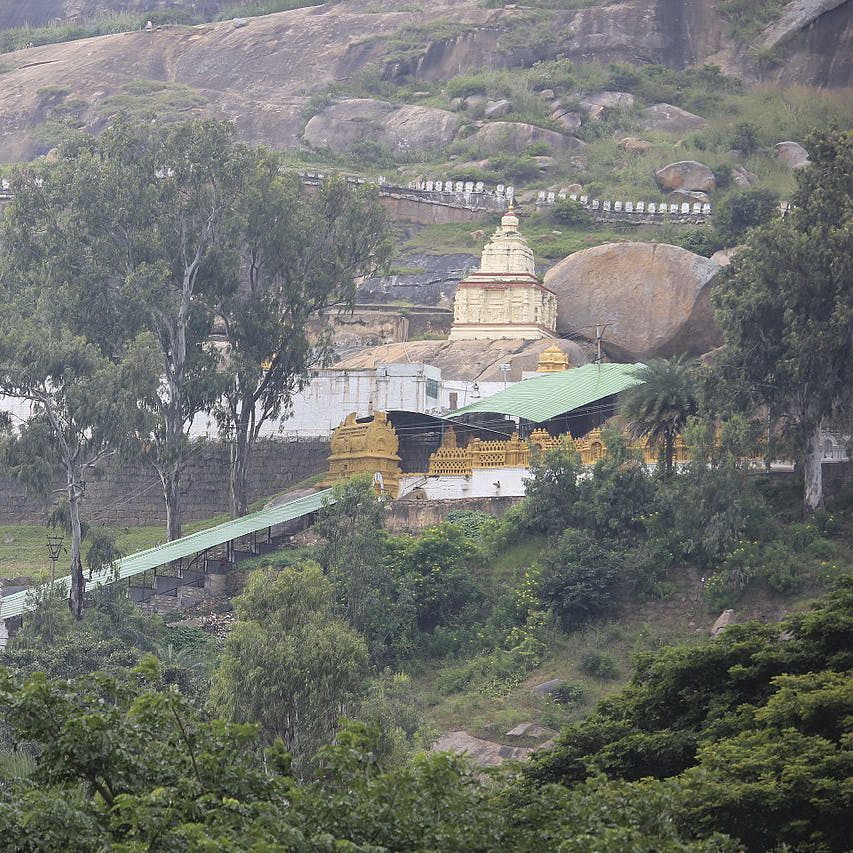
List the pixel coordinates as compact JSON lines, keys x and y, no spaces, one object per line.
{"x":454,"y":400}
{"x":432,"y":388}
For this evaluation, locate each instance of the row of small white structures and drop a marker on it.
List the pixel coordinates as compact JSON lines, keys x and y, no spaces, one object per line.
{"x":552,"y":197}
{"x":642,"y":207}
{"x":462,"y":187}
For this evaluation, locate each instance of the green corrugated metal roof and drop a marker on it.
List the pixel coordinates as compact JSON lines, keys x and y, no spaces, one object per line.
{"x":160,"y":555}
{"x":544,"y":397}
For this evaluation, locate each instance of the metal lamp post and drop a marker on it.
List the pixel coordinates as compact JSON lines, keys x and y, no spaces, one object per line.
{"x":54,"y":547}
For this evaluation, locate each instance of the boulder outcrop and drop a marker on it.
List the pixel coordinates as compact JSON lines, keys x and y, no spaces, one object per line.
{"x":486,"y":753}
{"x":571,"y":120}
{"x":655,"y":298}
{"x":515,"y":137}
{"x":340,"y":126}
{"x":596,"y":103}
{"x":669,"y":118}
{"x":792,"y":154}
{"x":469,"y":360}
{"x":632,"y":143}
{"x":690,"y":196}
{"x":688,"y":175}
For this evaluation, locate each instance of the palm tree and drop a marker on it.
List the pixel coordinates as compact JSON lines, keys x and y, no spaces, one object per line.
{"x":658,"y":408}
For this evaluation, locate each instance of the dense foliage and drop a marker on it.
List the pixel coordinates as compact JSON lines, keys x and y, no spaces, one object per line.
{"x":746,"y":735}
{"x":755,"y":726}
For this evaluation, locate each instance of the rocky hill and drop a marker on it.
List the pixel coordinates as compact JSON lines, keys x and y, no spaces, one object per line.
{"x":264,"y":73}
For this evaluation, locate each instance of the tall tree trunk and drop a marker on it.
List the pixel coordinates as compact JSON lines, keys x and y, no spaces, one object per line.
{"x":171,"y":480}
{"x":78,"y":582}
{"x":669,"y":451}
{"x":812,"y":472}
{"x":240,"y":470}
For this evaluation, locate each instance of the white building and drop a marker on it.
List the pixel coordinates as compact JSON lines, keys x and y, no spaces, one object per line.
{"x":333,"y":393}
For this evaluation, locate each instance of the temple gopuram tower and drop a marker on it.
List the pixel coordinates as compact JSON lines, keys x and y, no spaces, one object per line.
{"x":504,"y":298}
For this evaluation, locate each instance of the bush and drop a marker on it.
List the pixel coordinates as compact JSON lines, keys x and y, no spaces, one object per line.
{"x":516,"y":167}
{"x":571,"y":695}
{"x":472,"y":522}
{"x":570,"y":212}
{"x":551,"y":490}
{"x":599,"y":665}
{"x":437,"y":566}
{"x":579,"y":579}
{"x":744,"y":137}
{"x":613,"y":501}
{"x":704,"y":512}
{"x":745,"y":209}
{"x":701,"y":241}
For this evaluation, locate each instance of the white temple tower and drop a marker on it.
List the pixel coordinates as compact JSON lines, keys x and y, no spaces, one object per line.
{"x":504,"y":298}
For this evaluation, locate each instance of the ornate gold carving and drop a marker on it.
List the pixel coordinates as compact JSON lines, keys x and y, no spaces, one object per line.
{"x":365,"y":448}
{"x":552,"y":360}
{"x":450,"y":459}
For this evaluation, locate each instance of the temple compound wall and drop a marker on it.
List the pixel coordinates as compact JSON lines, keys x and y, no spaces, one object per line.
{"x":131,"y":495}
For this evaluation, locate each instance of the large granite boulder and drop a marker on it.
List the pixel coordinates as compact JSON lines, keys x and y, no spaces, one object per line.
{"x":413,"y":128}
{"x":654,"y":297}
{"x":485,"y":753}
{"x":569,"y":119}
{"x":792,"y":154}
{"x":687,"y":175}
{"x":467,"y":360}
{"x":340,"y":126}
{"x":409,"y":128}
{"x":669,"y":118}
{"x":596,"y":103}
{"x":515,"y":137}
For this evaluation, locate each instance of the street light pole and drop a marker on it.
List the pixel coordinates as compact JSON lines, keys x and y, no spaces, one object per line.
{"x":54,"y":547}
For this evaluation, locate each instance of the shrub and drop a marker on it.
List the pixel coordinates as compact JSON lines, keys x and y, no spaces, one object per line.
{"x":570,"y":212}
{"x":571,"y":695}
{"x":472,"y":522}
{"x":744,"y":137}
{"x":599,"y":665}
{"x":551,"y":490}
{"x":538,"y":149}
{"x":619,"y":493}
{"x":438,"y":567}
{"x":745,"y":209}
{"x":517,"y":167}
{"x":701,"y":241}
{"x":579,"y":578}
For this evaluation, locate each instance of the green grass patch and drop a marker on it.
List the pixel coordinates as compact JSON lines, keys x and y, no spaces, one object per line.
{"x":170,"y":101}
{"x":16,"y":38}
{"x":747,"y":18}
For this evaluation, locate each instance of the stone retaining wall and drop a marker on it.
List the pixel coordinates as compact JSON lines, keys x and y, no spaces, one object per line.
{"x":409,"y":516}
{"x":131,"y":495}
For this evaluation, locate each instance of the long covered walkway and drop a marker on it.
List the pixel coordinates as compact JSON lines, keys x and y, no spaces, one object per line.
{"x":187,"y":546}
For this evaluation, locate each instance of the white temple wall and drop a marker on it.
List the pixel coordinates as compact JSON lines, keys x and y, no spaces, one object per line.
{"x":483,"y":483}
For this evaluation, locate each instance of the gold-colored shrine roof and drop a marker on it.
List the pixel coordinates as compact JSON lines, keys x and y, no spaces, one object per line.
{"x":552,"y":360}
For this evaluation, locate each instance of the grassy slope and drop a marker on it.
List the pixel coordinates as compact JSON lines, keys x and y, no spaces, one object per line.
{"x":489,"y":707}
{"x":25,"y":556}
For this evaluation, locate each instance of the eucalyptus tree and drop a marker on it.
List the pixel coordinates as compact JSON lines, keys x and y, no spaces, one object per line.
{"x":300,"y":251}
{"x":785,"y":307}
{"x":128,"y":230}
{"x":81,"y":412}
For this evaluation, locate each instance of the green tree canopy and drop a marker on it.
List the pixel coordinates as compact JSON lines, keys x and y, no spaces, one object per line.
{"x":298,"y":252}
{"x":288,"y":664}
{"x":785,"y":306}
{"x":659,"y":407}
